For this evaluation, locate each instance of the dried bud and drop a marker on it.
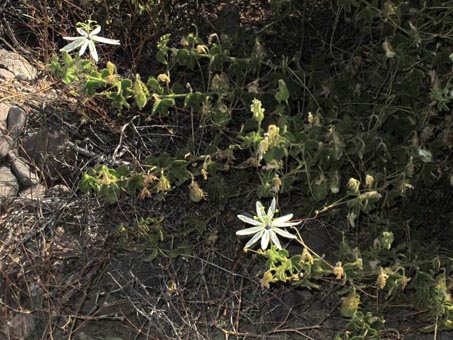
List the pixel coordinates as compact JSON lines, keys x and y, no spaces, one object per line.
{"x":276,"y":184}
{"x":354,"y":185}
{"x":202,"y":49}
{"x":273,"y":134}
{"x":263,"y":146}
{"x":311,"y":119}
{"x":338,"y":271}
{"x":369,"y":181}
{"x":163,"y":78}
{"x":257,"y":110}
{"x":404,"y":281}
{"x":164,"y":184}
{"x":266,"y":280}
{"x":382,"y":278}
{"x":184,"y":42}
{"x":373,"y":195}
{"x":410,"y":168}
{"x":306,"y":257}
{"x":389,"y":53}
{"x":335,"y":183}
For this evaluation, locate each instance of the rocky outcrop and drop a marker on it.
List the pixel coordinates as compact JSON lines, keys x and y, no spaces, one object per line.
{"x":15,"y":66}
{"x":23,"y":162}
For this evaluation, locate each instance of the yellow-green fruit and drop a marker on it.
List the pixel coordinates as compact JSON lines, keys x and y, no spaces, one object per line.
{"x":196,"y":194}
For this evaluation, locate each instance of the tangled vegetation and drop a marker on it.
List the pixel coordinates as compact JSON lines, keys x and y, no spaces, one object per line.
{"x":341,"y":110}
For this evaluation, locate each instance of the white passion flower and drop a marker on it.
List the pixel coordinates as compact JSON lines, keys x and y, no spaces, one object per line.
{"x":87,"y":40}
{"x":266,"y":227}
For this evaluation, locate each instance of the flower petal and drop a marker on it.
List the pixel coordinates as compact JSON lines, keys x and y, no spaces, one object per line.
{"x":75,"y":44}
{"x":105,"y":40}
{"x":265,"y":240}
{"x":82,"y":32}
{"x":84,"y":47}
{"x":248,"y":220}
{"x":287,"y":224}
{"x":281,"y":219}
{"x":271,"y":210}
{"x":284,"y":233}
{"x":93,"y":52}
{"x":73,"y":38}
{"x":275,"y":240}
{"x":259,"y":209}
{"x":94,"y":32}
{"x":249,"y":231}
{"x":253,"y":240}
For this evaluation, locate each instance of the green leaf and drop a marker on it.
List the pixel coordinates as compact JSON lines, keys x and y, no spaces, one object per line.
{"x":87,"y":183}
{"x":124,"y":88}
{"x":161,"y":57}
{"x":217,"y":62}
{"x":118,"y":100}
{"x":70,"y":76}
{"x":180,"y":251}
{"x":350,"y":305}
{"x":109,"y":193}
{"x":67,"y":59}
{"x":93,"y":82}
{"x":178,"y":170}
{"x":153,"y":85}
{"x":282,"y":94}
{"x":161,"y":105}
{"x":152,"y":256}
{"x":274,"y":154}
{"x":194,"y":100}
{"x":134,"y":183}
{"x":185,"y":58}
{"x":122,"y":171}
{"x":55,"y":66}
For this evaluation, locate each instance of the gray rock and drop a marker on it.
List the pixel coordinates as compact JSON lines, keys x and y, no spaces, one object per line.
{"x":6,"y":75}
{"x":17,"y":65}
{"x":5,"y":145}
{"x":47,"y":150}
{"x":22,"y":326}
{"x":4,"y":109}
{"x":36,"y":192}
{"x":58,"y":190}
{"x":8,"y":185}
{"x":25,"y":176}
{"x":16,"y":121}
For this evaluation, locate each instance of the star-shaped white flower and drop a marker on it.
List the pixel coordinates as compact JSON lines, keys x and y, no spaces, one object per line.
{"x":266,"y":227}
{"x":88,"y":40}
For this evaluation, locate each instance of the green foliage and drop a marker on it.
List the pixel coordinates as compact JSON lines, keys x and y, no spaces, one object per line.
{"x":358,"y":133}
{"x":105,"y":182}
{"x":363,"y":326}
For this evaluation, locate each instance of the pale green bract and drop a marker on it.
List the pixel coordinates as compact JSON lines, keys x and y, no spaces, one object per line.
{"x":266,"y":227}
{"x":87,"y":40}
